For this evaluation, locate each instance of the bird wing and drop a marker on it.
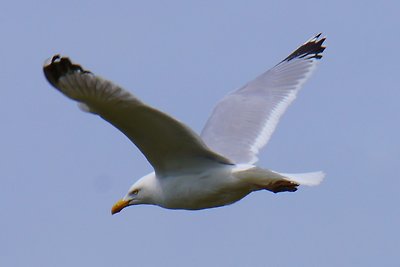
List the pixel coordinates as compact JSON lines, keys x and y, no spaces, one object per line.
{"x":168,"y":145}
{"x":243,"y":122}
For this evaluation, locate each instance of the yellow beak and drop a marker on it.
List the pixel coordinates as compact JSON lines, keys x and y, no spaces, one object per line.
{"x":119,"y":205}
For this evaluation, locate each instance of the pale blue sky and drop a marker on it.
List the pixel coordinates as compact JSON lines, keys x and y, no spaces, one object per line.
{"x":63,"y":169}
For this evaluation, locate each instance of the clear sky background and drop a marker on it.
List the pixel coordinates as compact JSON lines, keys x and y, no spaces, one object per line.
{"x":62,"y":169}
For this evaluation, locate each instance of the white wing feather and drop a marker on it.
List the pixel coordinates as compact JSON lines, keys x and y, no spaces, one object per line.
{"x":168,"y":144}
{"x":243,"y":122}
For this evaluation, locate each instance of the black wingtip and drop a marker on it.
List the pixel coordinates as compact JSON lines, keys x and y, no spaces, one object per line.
{"x":312,"y":49}
{"x":58,"y":66}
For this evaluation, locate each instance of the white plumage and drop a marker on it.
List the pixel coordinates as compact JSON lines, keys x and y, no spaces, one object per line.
{"x":192,"y":171}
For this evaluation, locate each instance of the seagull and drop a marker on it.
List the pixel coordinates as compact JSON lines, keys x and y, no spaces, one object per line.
{"x":191,"y":171}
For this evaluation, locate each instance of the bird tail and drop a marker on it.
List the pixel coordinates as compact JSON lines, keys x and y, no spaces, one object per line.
{"x":276,"y":181}
{"x":308,"y":178}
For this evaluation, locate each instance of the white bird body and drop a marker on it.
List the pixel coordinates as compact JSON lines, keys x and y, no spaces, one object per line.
{"x":214,"y":186}
{"x":196,"y":172}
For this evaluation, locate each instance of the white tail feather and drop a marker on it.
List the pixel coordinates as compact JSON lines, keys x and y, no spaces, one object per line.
{"x":308,"y":178}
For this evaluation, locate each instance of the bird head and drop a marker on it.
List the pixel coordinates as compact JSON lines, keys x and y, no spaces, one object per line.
{"x":139,"y":193}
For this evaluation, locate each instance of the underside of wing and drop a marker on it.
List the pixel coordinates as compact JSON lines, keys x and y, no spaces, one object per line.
{"x":243,"y":122}
{"x":169,"y":145}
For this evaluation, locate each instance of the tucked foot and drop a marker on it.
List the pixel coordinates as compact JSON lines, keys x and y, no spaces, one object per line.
{"x":282,"y":186}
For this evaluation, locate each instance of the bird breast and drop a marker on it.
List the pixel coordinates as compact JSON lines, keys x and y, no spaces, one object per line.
{"x":210,"y":188}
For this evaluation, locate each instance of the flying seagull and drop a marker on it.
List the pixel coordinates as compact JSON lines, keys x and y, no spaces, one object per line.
{"x":192,"y":171}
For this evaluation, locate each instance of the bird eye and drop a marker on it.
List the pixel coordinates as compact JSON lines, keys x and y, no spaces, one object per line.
{"x":135,"y":192}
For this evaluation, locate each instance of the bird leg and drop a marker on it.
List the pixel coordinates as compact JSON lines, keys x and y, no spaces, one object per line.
{"x":282,"y":186}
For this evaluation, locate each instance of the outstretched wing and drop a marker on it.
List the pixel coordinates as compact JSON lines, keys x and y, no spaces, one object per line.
{"x":169,"y":145}
{"x":243,"y":122}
